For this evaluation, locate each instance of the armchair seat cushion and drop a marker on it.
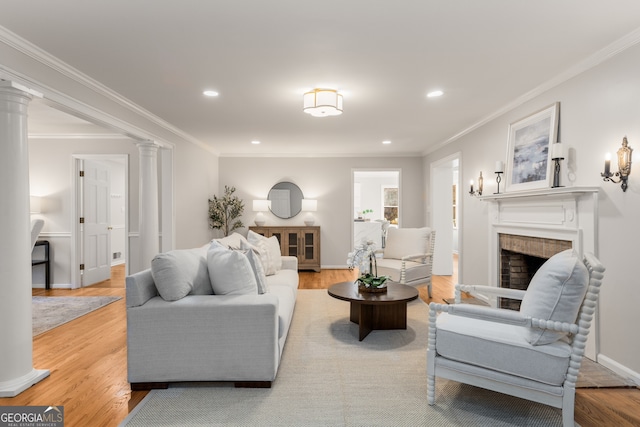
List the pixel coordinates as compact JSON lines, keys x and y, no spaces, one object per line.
{"x":501,"y":348}
{"x":392,"y":267}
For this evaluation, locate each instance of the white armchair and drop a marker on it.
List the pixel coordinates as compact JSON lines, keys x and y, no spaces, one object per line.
{"x":534,"y":353}
{"x":408,"y":256}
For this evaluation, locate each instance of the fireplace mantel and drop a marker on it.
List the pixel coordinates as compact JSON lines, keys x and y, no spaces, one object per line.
{"x":545,"y":192}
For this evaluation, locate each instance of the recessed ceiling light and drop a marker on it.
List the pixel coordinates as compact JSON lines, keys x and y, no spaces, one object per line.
{"x":255,"y":142}
{"x":387,"y":142}
{"x":210,"y":93}
{"x":435,"y":94}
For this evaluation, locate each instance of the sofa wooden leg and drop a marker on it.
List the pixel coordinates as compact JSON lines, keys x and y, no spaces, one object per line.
{"x":148,"y":386}
{"x":252,"y":384}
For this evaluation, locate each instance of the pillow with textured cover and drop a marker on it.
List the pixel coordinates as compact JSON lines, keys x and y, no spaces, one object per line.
{"x":230,"y":271}
{"x":269,"y":250}
{"x":555,"y":293}
{"x":181,"y":272}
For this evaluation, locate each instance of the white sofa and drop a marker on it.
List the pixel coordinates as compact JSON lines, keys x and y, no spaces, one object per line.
{"x":203,"y":336}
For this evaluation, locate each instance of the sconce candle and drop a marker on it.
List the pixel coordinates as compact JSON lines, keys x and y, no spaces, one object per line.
{"x":607,"y":163}
{"x":471,"y":184}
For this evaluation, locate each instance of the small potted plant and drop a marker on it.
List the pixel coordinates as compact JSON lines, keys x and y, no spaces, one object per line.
{"x":364,"y":258}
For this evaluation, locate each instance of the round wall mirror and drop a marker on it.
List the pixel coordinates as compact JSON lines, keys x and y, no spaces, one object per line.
{"x":286,"y":200}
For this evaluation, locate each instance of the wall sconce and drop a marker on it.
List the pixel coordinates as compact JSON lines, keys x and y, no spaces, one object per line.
{"x":309,"y":205}
{"x":480,"y":186}
{"x":261,"y":206}
{"x":624,"y":165}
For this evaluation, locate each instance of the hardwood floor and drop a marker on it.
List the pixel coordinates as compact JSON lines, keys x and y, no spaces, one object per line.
{"x":87,"y":358}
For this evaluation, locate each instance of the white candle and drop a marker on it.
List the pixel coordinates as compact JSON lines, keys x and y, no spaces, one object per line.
{"x":499,"y":166}
{"x":471,"y":184}
{"x":556,"y":151}
{"x":607,"y":163}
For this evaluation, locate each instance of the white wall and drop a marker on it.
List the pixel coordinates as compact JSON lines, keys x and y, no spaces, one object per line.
{"x":329,"y":181}
{"x":597,"y":109}
{"x":195,"y":180}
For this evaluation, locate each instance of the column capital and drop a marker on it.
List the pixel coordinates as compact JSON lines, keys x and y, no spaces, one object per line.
{"x":10,"y":84}
{"x":147,"y":143}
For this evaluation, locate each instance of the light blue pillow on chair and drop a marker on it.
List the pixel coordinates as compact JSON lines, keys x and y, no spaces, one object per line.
{"x":555,"y":293}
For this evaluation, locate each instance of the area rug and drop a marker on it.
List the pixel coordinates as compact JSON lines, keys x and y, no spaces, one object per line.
{"x":51,"y":312}
{"x":329,"y":378}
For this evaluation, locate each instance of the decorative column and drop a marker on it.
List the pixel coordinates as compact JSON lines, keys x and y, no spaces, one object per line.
{"x":16,"y":336}
{"x":148,"y":216}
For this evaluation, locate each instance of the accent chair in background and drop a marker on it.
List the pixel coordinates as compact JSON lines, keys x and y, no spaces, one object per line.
{"x":407,"y":257}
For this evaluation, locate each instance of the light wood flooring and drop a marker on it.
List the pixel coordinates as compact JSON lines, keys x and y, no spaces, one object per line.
{"x":87,"y":358}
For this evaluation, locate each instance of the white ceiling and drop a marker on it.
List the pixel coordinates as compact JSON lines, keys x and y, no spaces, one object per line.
{"x":487,"y":56}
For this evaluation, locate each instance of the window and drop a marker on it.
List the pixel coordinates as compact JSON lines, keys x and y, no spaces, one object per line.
{"x":390,"y":203}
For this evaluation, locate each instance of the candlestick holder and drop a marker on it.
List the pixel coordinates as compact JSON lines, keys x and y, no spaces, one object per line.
{"x":498,"y":180}
{"x":556,"y":172}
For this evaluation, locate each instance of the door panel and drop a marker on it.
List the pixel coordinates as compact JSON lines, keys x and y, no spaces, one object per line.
{"x":96,"y":228}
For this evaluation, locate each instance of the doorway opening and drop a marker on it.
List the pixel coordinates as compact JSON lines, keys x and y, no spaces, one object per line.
{"x":376,"y":204}
{"x":445,"y":217}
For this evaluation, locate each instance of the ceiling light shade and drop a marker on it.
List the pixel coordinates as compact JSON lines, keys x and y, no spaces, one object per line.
{"x":322,"y":103}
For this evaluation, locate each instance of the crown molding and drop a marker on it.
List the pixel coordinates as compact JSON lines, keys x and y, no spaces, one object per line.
{"x":34,"y":52}
{"x":77,"y":136}
{"x":586,"y":64}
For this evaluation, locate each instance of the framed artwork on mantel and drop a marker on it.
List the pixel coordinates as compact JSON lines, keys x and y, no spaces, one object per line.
{"x":529,"y":164}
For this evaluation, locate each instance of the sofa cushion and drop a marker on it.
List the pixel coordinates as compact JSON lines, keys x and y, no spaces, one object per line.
{"x":269,"y":249}
{"x":391,"y":267}
{"x":502,"y":348}
{"x":181,"y":272}
{"x":230,"y":271}
{"x":555,"y":293}
{"x":406,"y":241}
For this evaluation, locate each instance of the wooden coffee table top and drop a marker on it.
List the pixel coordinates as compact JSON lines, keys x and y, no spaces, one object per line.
{"x":348,"y":291}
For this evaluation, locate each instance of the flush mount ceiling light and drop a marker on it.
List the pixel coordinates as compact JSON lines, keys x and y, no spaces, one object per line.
{"x":322,"y":103}
{"x":435,"y":94}
{"x":210,"y":93}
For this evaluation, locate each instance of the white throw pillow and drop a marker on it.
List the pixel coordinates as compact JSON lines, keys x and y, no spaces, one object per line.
{"x":406,"y":241}
{"x":269,"y":251}
{"x":181,"y":272}
{"x":555,"y":293}
{"x":232,"y":241}
{"x":253,"y":256}
{"x":230,"y":271}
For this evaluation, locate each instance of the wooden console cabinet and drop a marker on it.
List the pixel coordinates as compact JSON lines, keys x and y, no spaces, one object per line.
{"x":301,"y":242}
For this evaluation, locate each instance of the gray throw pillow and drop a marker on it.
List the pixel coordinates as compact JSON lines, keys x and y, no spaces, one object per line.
{"x":181,"y":272}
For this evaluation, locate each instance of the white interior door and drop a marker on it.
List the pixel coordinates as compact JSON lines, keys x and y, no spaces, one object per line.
{"x":96,"y":212}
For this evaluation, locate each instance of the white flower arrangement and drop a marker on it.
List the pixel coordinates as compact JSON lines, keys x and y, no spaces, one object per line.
{"x":363,"y":257}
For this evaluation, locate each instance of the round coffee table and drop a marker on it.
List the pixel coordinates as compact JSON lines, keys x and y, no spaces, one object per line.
{"x":376,"y":310}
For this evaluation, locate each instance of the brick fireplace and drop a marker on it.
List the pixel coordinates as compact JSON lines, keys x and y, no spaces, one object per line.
{"x":520,"y":258}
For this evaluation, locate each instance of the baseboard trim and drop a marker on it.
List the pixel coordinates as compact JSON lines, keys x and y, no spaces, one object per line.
{"x":618,"y":368}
